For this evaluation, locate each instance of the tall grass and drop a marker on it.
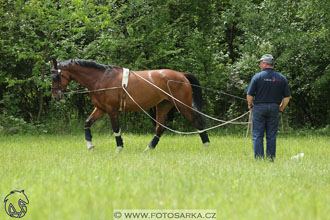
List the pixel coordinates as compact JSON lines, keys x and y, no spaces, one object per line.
{"x":64,"y":181}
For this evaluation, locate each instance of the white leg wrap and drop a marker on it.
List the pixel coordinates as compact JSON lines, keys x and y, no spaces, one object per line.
{"x":89,"y":145}
{"x":206,"y":144}
{"x":148,"y":148}
{"x":119,"y":149}
{"x":117,"y":134}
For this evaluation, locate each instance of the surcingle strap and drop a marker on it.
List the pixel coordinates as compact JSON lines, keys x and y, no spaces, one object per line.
{"x":125,"y":77}
{"x":124,"y":85}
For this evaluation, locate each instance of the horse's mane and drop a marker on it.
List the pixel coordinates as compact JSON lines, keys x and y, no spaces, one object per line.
{"x":86,"y":63}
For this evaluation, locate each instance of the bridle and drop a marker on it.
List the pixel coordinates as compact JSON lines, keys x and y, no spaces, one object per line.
{"x":57,"y":78}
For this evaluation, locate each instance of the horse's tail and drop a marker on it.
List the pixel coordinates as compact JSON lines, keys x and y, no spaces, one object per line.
{"x":197,"y":96}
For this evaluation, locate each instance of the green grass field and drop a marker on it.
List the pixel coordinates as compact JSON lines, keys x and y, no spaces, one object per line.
{"x":64,"y":181}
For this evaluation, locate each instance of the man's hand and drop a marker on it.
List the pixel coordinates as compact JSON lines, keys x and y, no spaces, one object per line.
{"x":284,"y":103}
{"x":249,"y":100}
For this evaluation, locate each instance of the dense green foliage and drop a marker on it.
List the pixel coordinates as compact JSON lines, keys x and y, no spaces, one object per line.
{"x":218,"y":41}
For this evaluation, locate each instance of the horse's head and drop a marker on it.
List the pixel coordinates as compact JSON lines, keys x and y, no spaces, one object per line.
{"x":60,"y":80}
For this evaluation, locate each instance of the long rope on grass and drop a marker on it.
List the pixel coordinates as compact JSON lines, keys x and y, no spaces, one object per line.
{"x":249,"y":124}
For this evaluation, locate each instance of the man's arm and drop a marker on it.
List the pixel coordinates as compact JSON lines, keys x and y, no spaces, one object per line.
{"x":284,"y":103}
{"x":249,"y":99}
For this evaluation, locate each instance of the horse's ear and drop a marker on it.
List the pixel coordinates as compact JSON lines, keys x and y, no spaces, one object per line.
{"x":53,"y":62}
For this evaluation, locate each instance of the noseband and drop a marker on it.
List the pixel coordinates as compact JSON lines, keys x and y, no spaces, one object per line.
{"x":57,"y":78}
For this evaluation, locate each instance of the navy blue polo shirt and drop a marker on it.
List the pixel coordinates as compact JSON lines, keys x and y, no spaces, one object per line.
{"x":268,"y":86}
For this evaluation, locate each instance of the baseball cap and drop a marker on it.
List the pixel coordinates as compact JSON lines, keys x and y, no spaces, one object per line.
{"x":268,"y":58}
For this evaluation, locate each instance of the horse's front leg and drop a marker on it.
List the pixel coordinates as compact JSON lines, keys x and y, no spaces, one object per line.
{"x":117,"y":131}
{"x":162,"y":109}
{"x":96,"y":114}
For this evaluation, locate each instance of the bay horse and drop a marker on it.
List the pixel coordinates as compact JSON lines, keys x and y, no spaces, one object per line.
{"x":107,"y":94}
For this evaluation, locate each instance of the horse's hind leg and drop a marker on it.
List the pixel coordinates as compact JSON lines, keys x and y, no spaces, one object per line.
{"x":200,"y":124}
{"x":96,"y":114}
{"x":117,"y":131}
{"x":162,"y":110}
{"x":191,"y":96}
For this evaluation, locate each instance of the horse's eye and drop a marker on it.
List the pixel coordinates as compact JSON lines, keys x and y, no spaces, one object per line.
{"x":55,"y":77}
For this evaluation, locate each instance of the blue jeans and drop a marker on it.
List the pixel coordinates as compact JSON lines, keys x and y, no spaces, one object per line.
{"x":264,"y":119}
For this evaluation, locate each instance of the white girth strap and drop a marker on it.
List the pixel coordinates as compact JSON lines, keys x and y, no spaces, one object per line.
{"x":125,"y":77}
{"x":124,"y":83}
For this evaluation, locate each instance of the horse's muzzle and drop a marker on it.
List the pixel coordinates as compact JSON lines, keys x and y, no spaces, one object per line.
{"x":58,"y":96}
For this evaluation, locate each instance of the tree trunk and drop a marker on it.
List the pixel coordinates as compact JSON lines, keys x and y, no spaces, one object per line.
{"x":41,"y":104}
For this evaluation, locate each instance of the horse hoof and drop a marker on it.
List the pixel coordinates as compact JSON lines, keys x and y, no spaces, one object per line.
{"x":206,"y":144}
{"x":91,"y":148}
{"x":119,"y":149}
{"x":148,"y":148}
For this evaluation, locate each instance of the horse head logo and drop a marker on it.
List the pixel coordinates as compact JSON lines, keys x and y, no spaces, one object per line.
{"x":15,"y":204}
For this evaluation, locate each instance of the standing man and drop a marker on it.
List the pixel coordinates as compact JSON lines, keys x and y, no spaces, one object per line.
{"x":268,"y":94}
